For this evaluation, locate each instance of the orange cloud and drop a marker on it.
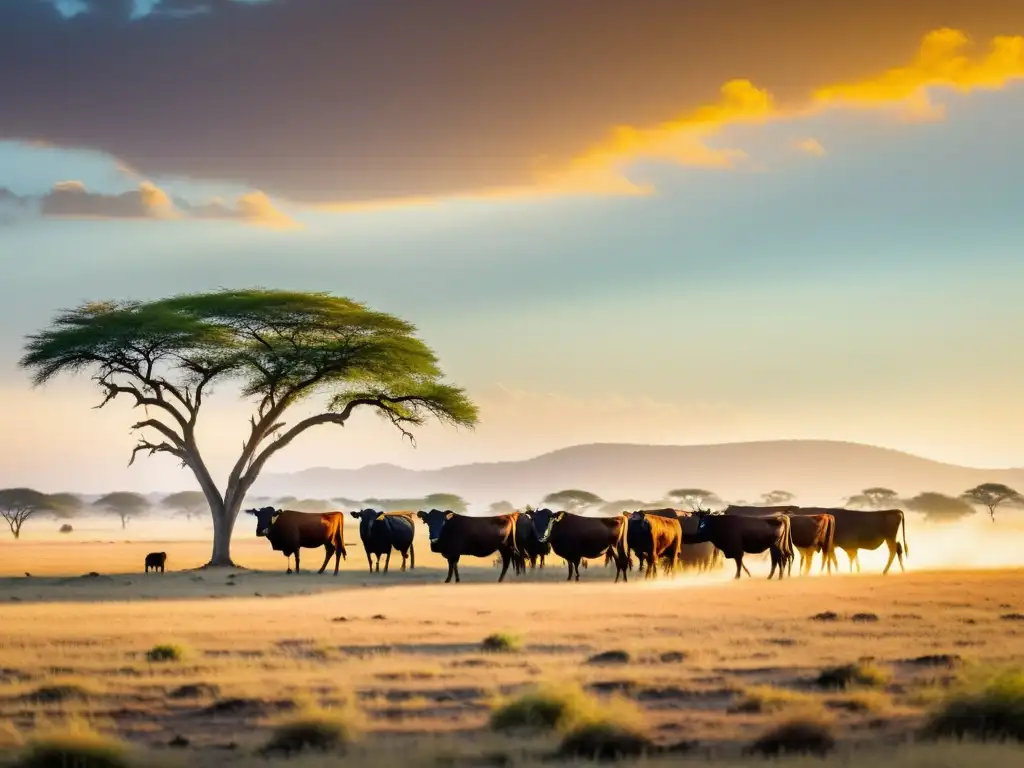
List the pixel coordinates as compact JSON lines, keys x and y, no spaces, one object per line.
{"x":941,"y":62}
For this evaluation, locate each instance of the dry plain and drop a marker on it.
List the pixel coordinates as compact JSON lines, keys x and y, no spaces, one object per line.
{"x":707,"y":662}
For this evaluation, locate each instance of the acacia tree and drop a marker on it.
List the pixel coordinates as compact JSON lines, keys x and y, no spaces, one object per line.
{"x":17,"y":505}
{"x":281,"y":347}
{"x":939,"y":508}
{"x":696,"y":498}
{"x":188,"y":503}
{"x":573,"y":499}
{"x":991,"y":495}
{"x":776,"y":498}
{"x":124,"y":504}
{"x":64,"y":505}
{"x":874,"y":498}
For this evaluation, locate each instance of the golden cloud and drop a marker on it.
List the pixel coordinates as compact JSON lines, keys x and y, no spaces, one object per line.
{"x":942,"y":61}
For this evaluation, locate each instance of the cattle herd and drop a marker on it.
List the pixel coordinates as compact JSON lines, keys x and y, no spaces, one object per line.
{"x":691,"y":540}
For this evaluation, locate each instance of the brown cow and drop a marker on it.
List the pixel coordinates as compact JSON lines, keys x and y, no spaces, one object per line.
{"x":575,"y":537}
{"x":653,"y":536}
{"x":737,"y":535}
{"x":289,"y":531}
{"x":453,"y":535}
{"x":811,"y":534}
{"x":858,"y":529}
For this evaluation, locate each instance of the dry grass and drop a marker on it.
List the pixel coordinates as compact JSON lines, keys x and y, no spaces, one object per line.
{"x":987,"y":705}
{"x":805,"y":734}
{"x":864,"y":674}
{"x":501,"y":642}
{"x":406,"y":651}
{"x":763,"y":699}
{"x":314,"y":730}
{"x":75,"y":745}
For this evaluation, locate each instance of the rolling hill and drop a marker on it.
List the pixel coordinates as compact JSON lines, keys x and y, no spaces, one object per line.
{"x":817,"y":471}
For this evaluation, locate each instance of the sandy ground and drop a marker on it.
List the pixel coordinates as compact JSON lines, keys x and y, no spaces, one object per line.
{"x":405,"y":649}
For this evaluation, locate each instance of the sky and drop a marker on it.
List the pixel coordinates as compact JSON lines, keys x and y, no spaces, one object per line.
{"x":646,"y":222}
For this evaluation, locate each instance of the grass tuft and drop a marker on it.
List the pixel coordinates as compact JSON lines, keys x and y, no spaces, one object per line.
{"x":760,"y":699}
{"x":605,"y":739}
{"x":987,"y":707}
{"x":501,"y":642}
{"x":314,"y":730}
{"x":76,"y":746}
{"x":549,"y":707}
{"x":806,"y":734}
{"x":165,"y":652}
{"x":862,"y":674}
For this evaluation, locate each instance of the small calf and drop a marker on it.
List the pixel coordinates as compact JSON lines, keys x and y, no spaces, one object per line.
{"x":156,"y":561}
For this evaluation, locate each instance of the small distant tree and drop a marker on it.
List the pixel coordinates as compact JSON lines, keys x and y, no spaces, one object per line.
{"x":874,"y":498}
{"x":451,"y":501}
{"x":17,"y":505}
{"x":188,"y":503}
{"x":284,"y":500}
{"x":695,"y":498}
{"x":307,"y":505}
{"x":622,"y":505}
{"x":124,"y":504}
{"x":939,"y":508}
{"x":777,"y":498}
{"x":573,"y":500}
{"x":346,"y":503}
{"x":64,"y":505}
{"x":992,"y":495}
{"x":501,"y":508}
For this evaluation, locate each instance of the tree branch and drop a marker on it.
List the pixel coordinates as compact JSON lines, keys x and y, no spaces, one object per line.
{"x":155,"y":448}
{"x":113,"y":390}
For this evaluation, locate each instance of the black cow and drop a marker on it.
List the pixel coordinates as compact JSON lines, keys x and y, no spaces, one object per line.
{"x":289,"y":531}
{"x":383,"y":531}
{"x":574,"y":537}
{"x":703,"y":556}
{"x":453,"y":535}
{"x":156,"y":561}
{"x":737,"y":535}
{"x":533,"y":549}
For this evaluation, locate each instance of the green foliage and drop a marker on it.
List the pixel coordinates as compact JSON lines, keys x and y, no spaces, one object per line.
{"x":64,"y":505}
{"x":989,"y":706}
{"x":548,"y":707}
{"x":992,"y":495}
{"x":281,"y":347}
{"x":573,"y":500}
{"x":939,"y":508}
{"x":77,"y":747}
{"x":314,"y":730}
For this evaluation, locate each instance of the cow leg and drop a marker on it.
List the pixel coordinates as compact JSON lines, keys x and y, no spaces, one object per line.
{"x":542,"y":561}
{"x":387,"y":561}
{"x":892,"y":556}
{"x":330,"y":551}
{"x":377,"y":555}
{"x":506,"y":558}
{"x":739,"y":566}
{"x":412,"y":556}
{"x":296,"y":561}
{"x":576,"y":569}
{"x":899,"y":554}
{"x":456,"y":565}
{"x":405,"y":556}
{"x":369,"y":561}
{"x":288,"y":560}
{"x":337,"y":560}
{"x":569,"y":564}
{"x":451,"y":570}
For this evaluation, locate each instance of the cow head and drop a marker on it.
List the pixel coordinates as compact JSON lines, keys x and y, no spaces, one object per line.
{"x":544,"y":521}
{"x":265,"y":517}
{"x":366,"y":518}
{"x":435,"y":521}
{"x":637,"y":520}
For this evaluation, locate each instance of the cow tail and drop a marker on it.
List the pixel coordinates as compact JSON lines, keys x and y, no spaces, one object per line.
{"x":830,"y":537}
{"x":512,"y":527}
{"x":787,"y":538}
{"x":903,"y":524}
{"x":621,"y":547}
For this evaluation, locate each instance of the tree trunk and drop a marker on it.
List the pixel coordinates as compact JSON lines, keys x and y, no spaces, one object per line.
{"x":224,"y":517}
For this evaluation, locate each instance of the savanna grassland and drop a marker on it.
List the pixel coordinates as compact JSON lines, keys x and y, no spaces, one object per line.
{"x":202,"y":668}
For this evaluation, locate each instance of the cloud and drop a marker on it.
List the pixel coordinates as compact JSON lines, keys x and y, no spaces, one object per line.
{"x":811,"y":146}
{"x":477,"y":100}
{"x":72,"y":200}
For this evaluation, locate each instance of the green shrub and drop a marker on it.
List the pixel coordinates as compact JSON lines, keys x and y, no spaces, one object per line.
{"x":549,"y":707}
{"x":501,"y":642}
{"x":989,"y":706}
{"x":165,"y":652}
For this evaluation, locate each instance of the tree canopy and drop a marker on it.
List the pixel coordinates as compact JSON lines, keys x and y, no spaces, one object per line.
{"x":696,"y":498}
{"x":777,"y":498}
{"x":124,"y":504}
{"x":64,"y":505}
{"x":573,"y":499}
{"x":281,"y":348}
{"x":188,"y":503}
{"x":17,"y":505}
{"x":992,"y":495}
{"x":939,"y":508}
{"x":874,"y":498}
